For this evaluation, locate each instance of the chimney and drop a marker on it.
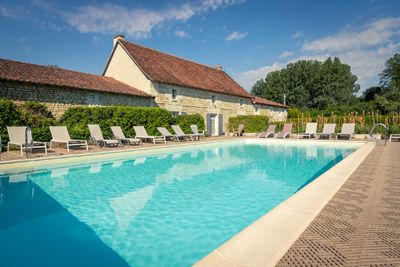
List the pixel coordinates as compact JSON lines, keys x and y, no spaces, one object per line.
{"x":218,"y":67}
{"x":117,"y":37}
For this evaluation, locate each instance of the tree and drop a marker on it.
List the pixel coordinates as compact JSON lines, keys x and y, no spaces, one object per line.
{"x":390,"y":77}
{"x":372,"y":92}
{"x":258,"y":88}
{"x":310,"y":84}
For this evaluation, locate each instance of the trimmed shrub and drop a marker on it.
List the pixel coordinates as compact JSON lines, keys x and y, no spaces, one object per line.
{"x":9,"y":116}
{"x":32,"y":114}
{"x":184,"y":121}
{"x":293,"y":113}
{"x":39,"y":118}
{"x":252,"y":123}
{"x":76,"y":119}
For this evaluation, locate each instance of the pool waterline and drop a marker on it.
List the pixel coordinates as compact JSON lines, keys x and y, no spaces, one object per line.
{"x":172,"y":175}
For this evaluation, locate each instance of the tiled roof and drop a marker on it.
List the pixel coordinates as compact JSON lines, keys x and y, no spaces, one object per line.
{"x":262,"y":101}
{"x":168,"y":69}
{"x":54,"y":76}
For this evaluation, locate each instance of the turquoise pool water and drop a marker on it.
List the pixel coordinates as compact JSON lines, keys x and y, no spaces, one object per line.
{"x":162,"y":210}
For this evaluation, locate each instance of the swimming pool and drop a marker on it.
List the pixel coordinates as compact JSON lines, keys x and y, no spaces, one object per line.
{"x":169,"y":209}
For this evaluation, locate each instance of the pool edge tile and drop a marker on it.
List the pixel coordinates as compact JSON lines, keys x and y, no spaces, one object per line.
{"x":244,"y":253}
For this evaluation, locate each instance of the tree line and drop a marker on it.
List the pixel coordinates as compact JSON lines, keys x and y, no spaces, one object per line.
{"x":330,"y":85}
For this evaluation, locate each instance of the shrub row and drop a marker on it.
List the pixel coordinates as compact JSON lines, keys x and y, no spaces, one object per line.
{"x":252,"y":123}
{"x":29,"y":113}
{"x":363,"y":121}
{"x":76,"y":119}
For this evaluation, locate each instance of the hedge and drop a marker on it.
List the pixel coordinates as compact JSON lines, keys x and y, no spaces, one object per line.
{"x":30,"y":113}
{"x":77,"y":119}
{"x":252,"y":123}
{"x":363,"y":121}
{"x":184,"y":121}
{"x":38,"y":117}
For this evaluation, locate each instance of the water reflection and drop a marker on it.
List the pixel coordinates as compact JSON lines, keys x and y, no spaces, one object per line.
{"x":35,"y":230}
{"x":141,"y":205}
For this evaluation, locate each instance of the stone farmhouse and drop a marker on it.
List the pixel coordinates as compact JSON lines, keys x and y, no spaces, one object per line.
{"x":138,"y":76}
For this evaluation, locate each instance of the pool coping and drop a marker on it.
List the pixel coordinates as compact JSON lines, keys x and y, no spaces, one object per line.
{"x":265,"y":241}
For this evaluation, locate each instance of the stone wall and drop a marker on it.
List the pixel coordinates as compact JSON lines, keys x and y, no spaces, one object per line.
{"x":192,"y":101}
{"x":59,"y":99}
{"x":121,"y":67}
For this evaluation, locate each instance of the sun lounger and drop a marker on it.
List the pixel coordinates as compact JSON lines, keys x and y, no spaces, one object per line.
{"x":167,"y":134}
{"x":120,"y":136}
{"x":60,"y":134}
{"x":141,"y":133}
{"x":97,"y":136}
{"x":178,"y":131}
{"x":270,"y":132}
{"x":17,"y":137}
{"x":394,"y":137}
{"x":196,"y":133}
{"x":347,"y":131}
{"x":286,"y":131}
{"x":239,"y":131}
{"x":311,"y":130}
{"x":328,"y":131}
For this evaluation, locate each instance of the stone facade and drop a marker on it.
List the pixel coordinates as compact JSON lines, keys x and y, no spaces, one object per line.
{"x":191,"y":101}
{"x":188,"y":100}
{"x":59,"y":99}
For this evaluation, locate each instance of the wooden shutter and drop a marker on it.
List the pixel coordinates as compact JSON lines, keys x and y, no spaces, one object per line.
{"x":208,"y":124}
{"x":220,"y":125}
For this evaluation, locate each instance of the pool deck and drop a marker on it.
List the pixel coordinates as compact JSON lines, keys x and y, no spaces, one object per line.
{"x":360,"y":226}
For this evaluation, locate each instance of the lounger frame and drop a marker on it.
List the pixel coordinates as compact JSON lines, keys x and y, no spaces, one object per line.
{"x":311,"y":130}
{"x":142,"y":134}
{"x":196,"y":133}
{"x":394,"y":137}
{"x":96,"y":136}
{"x":68,"y":141}
{"x":120,"y":136}
{"x":17,"y":138}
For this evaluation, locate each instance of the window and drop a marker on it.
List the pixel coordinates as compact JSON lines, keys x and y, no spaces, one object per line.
{"x":174,"y":94}
{"x":241,"y":102}
{"x":174,"y":113}
{"x":257,"y":109}
{"x":213,"y":99}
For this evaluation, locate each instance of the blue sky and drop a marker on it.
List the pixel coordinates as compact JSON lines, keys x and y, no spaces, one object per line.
{"x":248,"y":38}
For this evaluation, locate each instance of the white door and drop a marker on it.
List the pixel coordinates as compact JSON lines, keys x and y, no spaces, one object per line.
{"x":213,"y":125}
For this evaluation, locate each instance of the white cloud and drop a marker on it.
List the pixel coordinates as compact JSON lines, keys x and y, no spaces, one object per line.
{"x":368,"y":63}
{"x":6,"y":12}
{"x":297,"y":34}
{"x":375,"y":33}
{"x":180,"y":33}
{"x":13,"y":11}
{"x":248,"y":78}
{"x":286,"y":54}
{"x":137,"y":22}
{"x":365,"y":50}
{"x":234,"y":36}
{"x":215,"y":4}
